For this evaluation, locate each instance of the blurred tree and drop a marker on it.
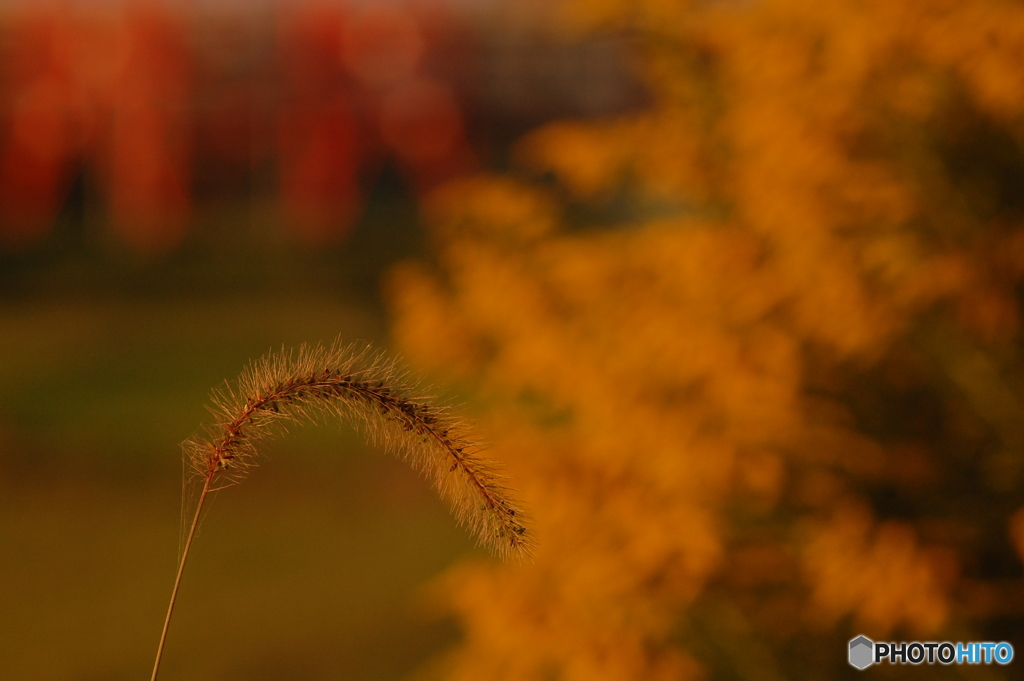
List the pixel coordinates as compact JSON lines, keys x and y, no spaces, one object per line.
{"x":358,"y":93}
{"x":753,"y":354}
{"x":109,"y":85}
{"x":163,"y":103}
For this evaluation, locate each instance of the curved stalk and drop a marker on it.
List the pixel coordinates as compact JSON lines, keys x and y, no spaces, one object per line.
{"x":371,"y":392}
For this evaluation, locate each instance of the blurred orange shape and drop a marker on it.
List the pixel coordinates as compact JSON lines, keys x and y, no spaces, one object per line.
{"x":149,"y":146}
{"x":148,"y":196}
{"x":382,"y":46}
{"x":111,"y":84}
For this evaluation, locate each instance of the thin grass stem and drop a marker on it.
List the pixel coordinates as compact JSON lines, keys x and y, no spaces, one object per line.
{"x":177,"y":578}
{"x":371,"y":392}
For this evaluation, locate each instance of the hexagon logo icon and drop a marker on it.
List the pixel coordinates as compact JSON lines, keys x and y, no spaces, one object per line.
{"x":862,"y":652}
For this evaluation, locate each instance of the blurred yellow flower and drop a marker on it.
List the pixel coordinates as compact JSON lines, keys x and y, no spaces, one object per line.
{"x":753,"y":405}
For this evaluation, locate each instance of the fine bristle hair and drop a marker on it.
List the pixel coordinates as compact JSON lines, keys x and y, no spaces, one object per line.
{"x":370,"y":391}
{"x":374,"y":394}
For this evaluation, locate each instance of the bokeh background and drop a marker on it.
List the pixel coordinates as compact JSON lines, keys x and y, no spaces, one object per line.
{"x":734,"y":289}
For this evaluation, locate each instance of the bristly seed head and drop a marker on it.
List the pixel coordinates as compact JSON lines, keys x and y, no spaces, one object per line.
{"x":370,"y":391}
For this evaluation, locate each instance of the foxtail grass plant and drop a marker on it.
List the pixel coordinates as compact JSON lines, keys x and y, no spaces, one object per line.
{"x":370,"y":391}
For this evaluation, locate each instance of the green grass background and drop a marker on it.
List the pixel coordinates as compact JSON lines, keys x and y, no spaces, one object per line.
{"x":315,"y":568}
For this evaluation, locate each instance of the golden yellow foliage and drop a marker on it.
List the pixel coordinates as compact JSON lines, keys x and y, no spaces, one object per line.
{"x":884,"y":579}
{"x":769,"y":403}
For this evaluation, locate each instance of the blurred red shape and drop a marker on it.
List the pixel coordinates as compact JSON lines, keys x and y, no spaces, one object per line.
{"x":113,"y":89}
{"x":383,"y":46}
{"x":421,"y":123}
{"x":320,"y":149}
{"x":319,"y":165}
{"x":111,"y":86}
